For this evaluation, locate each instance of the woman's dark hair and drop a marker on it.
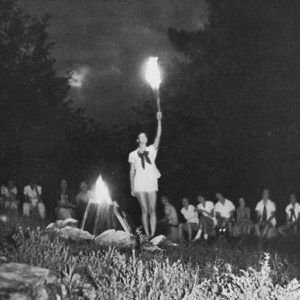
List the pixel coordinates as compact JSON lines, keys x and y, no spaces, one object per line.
{"x":203,"y":195}
{"x":295,"y":194}
{"x":142,"y":132}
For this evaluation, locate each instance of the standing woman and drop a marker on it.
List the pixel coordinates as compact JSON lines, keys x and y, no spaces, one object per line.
{"x":144,"y":177}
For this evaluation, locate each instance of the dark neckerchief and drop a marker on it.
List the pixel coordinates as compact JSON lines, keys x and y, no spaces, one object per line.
{"x":144,"y":157}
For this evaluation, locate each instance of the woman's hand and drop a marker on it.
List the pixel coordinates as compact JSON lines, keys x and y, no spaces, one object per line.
{"x":133,"y":193}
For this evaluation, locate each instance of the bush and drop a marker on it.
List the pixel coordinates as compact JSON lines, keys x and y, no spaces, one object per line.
{"x":85,"y":273}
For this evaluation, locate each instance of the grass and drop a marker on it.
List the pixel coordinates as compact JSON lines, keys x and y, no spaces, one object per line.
{"x":239,"y":269}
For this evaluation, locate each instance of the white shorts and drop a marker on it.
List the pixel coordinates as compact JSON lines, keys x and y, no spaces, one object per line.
{"x":145,"y":185}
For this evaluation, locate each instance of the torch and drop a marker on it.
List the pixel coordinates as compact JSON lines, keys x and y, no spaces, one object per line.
{"x":153,"y":78}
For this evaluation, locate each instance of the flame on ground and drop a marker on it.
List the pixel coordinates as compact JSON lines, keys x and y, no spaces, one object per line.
{"x":102,"y":195}
{"x":153,"y":73}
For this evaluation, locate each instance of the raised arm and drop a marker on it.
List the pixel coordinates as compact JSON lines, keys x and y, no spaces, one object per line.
{"x":159,"y":130}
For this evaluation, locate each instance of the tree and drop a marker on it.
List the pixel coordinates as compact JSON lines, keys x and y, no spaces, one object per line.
{"x":32,"y":94}
{"x":233,"y":106}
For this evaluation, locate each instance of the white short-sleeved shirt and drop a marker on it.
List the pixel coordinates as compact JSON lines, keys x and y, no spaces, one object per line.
{"x":296,"y":210}
{"x":270,"y":208}
{"x":32,"y":194}
{"x":190,"y":214}
{"x":224,"y":209}
{"x":145,"y":179}
{"x":209,"y":206}
{"x":5,"y":191}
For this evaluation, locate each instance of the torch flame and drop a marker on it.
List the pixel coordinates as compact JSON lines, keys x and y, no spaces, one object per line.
{"x":153,"y":73}
{"x":102,"y":195}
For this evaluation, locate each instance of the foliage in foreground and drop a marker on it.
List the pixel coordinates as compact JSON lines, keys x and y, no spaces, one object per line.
{"x":86,"y":273}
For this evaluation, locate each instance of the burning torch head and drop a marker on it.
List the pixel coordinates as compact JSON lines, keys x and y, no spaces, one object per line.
{"x":153,"y":73}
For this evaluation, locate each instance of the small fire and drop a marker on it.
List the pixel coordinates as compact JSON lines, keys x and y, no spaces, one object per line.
{"x":102,"y":195}
{"x":153,"y":73}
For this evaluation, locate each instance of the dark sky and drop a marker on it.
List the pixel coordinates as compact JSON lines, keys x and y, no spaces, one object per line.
{"x":107,"y":41}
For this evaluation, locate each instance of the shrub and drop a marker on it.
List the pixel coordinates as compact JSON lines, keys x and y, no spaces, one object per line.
{"x":197,"y":272}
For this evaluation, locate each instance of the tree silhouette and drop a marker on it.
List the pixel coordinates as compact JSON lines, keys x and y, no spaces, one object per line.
{"x":234,"y":103}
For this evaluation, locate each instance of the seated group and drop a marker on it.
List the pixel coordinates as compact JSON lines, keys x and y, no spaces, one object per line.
{"x":67,"y":205}
{"x":207,"y":218}
{"x":223,"y":218}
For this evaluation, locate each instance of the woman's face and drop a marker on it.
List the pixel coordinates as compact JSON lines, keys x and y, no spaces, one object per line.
{"x":185,"y":202}
{"x":220,"y":197}
{"x":64,"y":184}
{"x":242,"y":202}
{"x":266,"y":194}
{"x":201,"y":199}
{"x":293,"y":199}
{"x":142,"y":139}
{"x":83,"y":186}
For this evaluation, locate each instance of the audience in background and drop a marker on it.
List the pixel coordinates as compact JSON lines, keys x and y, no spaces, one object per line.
{"x":292,"y":217}
{"x":224,"y":212}
{"x":9,"y":197}
{"x":201,"y":220}
{"x":190,"y":214}
{"x":243,"y":224}
{"x":33,"y":200}
{"x":170,"y":220}
{"x":65,"y":202}
{"x":265,"y":211}
{"x":207,"y":219}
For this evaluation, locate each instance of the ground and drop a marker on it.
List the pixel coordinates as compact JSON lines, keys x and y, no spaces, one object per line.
{"x":205,"y":270}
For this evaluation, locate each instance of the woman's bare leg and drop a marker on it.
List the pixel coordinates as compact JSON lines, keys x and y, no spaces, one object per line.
{"x":142,"y":198}
{"x":180,"y":231}
{"x":189,"y":230}
{"x":152,"y":211}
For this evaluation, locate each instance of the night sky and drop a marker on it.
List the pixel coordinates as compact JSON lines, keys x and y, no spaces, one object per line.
{"x":106,"y":43}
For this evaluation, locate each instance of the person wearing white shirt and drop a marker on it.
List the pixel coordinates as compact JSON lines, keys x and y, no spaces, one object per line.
{"x":224,"y":210}
{"x":144,"y":177}
{"x":292,"y":217}
{"x":207,"y":220}
{"x":190,"y":214}
{"x":33,"y":200}
{"x":265,"y":211}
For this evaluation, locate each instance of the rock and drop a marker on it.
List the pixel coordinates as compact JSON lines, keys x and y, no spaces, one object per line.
{"x":113,"y":238}
{"x":75,"y":234}
{"x":3,"y":218}
{"x":15,"y":275}
{"x":158,"y":240}
{"x":152,"y":248}
{"x":42,"y":294}
{"x":3,"y":259}
{"x":63,"y":223}
{"x":18,"y":296}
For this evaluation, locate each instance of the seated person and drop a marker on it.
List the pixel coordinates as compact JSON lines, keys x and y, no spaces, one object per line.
{"x":82,"y":199}
{"x":65,"y":207}
{"x":33,"y":200}
{"x":207,"y":220}
{"x":265,"y":211}
{"x":292,"y":217}
{"x":9,"y":196}
{"x":243,"y":224}
{"x":190,"y":214}
{"x":224,"y":210}
{"x":170,"y":221}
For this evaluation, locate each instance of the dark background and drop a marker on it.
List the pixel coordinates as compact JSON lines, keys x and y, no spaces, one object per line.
{"x":230,"y":99}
